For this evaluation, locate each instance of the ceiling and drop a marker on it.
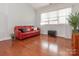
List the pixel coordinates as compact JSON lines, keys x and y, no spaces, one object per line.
{"x":39,"y":5}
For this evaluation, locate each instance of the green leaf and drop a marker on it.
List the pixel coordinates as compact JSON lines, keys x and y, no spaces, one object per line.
{"x":74,"y":20}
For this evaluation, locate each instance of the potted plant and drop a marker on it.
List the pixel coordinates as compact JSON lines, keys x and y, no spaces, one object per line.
{"x":74,"y":22}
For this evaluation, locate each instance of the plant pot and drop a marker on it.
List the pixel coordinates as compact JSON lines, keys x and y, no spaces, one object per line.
{"x":75,"y":43}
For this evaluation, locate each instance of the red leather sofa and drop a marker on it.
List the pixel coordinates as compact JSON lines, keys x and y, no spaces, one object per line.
{"x":23,"y":35}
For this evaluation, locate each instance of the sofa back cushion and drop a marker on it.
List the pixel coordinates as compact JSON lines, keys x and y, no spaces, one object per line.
{"x":35,"y":28}
{"x":24,"y":28}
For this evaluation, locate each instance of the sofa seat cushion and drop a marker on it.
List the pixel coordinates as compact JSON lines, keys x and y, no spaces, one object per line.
{"x":30,"y":32}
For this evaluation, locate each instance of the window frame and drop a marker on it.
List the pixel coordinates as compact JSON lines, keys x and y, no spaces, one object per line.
{"x":58,"y":16}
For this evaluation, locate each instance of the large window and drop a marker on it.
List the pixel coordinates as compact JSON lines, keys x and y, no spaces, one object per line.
{"x":55,"y":17}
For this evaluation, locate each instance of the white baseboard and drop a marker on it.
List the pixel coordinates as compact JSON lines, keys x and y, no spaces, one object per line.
{"x":5,"y":38}
{"x":44,"y":33}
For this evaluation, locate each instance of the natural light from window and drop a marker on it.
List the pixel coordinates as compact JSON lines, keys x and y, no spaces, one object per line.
{"x":55,"y":17}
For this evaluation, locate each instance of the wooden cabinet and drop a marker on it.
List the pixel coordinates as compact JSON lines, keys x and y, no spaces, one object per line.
{"x":75,"y":44}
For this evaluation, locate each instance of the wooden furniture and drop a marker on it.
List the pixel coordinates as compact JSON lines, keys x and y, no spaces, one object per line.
{"x":75,"y":44}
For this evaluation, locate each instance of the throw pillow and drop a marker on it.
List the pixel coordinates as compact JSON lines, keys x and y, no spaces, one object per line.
{"x":35,"y":28}
{"x":23,"y":30}
{"x":28,"y":29}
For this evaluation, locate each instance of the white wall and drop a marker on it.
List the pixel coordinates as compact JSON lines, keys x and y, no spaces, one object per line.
{"x":20,"y":14}
{"x":3,"y":21}
{"x":14,"y":14}
{"x":62,"y":30}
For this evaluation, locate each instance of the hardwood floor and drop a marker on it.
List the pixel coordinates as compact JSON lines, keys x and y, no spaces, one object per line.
{"x":42,"y":45}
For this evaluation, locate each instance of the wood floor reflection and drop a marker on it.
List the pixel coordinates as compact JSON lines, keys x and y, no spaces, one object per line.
{"x":42,"y":45}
